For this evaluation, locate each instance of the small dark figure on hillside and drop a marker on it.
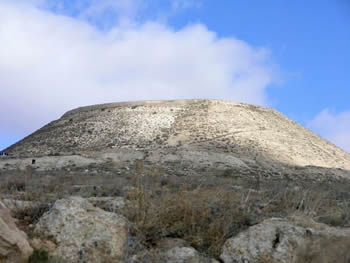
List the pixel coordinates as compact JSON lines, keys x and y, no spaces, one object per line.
{"x":33,"y":161}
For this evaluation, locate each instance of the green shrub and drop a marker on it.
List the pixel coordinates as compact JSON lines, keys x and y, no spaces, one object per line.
{"x":42,"y":256}
{"x":39,"y":256}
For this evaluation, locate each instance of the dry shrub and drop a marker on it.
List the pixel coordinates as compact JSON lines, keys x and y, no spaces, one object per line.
{"x":325,"y":250}
{"x":204,"y":217}
{"x":207,"y":216}
{"x":15,"y":185}
{"x":204,"y":211}
{"x":32,"y":214}
{"x":42,"y":256}
{"x":290,"y":201}
{"x":310,"y":203}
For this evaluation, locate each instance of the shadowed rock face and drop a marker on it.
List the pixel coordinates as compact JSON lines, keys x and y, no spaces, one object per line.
{"x":246,"y":132}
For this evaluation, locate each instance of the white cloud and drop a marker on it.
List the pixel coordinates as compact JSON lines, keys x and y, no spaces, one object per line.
{"x":50,"y":63}
{"x":333,"y":126}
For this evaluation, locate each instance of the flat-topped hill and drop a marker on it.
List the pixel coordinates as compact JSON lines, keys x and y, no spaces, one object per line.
{"x":244,"y":131}
{"x":176,"y":181}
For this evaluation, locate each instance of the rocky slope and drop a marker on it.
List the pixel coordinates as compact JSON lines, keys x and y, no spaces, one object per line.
{"x":202,"y":181}
{"x":245,"y":132}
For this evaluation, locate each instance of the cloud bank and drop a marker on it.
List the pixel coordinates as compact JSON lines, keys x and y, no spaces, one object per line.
{"x":333,"y":126}
{"x":51,"y":62}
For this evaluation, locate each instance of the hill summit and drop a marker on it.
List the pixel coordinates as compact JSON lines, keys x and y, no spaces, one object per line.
{"x":246,"y":132}
{"x":175,"y":181}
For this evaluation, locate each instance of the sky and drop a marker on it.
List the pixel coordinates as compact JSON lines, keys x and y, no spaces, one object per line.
{"x":56,"y":55}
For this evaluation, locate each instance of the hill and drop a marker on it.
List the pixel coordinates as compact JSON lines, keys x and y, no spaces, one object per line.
{"x":249,"y":133}
{"x":175,"y":181}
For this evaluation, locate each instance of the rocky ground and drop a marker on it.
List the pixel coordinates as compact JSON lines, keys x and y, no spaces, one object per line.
{"x":77,"y":209}
{"x":177,"y":181}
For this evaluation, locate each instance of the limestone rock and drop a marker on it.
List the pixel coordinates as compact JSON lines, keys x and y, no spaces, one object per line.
{"x":19,"y":205}
{"x":171,"y":250}
{"x":84,"y":233}
{"x":279,"y":240}
{"x":14,"y":246}
{"x":186,"y":255}
{"x":40,"y":244}
{"x":109,"y":204}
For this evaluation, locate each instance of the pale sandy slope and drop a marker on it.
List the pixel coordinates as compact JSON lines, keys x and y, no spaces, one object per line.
{"x":240,"y":130}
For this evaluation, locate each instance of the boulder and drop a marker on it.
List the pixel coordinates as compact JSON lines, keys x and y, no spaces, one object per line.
{"x":186,"y":255}
{"x":39,"y":244}
{"x":171,"y":251}
{"x":109,"y":204}
{"x":286,"y":241}
{"x":14,"y":246}
{"x":84,"y":233}
{"x":19,"y":205}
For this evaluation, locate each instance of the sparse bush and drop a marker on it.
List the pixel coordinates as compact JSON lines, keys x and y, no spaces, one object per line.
{"x":205,"y":217}
{"x":325,"y":250}
{"x":203,"y":210}
{"x":39,"y":256}
{"x":33,"y":214}
{"x":16,"y":185}
{"x":310,"y":203}
{"x":42,"y":256}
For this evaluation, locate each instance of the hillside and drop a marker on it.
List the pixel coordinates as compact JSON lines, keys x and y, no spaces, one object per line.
{"x":247,"y":132}
{"x":202,"y":181}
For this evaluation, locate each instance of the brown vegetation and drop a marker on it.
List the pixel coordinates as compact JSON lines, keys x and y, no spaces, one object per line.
{"x":205,"y":212}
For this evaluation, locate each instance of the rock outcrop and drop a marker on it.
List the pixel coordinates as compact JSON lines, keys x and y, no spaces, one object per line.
{"x":19,"y":205}
{"x":186,"y":255}
{"x":171,"y":251}
{"x":14,"y":247}
{"x":280,"y":240}
{"x":84,"y":233}
{"x":109,"y":204}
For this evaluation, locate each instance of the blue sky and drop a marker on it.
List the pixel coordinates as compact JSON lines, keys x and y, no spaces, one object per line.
{"x":290,"y":55}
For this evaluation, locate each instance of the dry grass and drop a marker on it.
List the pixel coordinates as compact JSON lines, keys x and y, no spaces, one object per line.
{"x":204,"y":211}
{"x":32,"y":214}
{"x":207,"y":216}
{"x":204,"y":217}
{"x":318,"y":250}
{"x":325,"y":250}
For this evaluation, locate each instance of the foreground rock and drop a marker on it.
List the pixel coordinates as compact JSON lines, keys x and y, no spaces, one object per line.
{"x":109,"y":204}
{"x":171,"y":251}
{"x":14,"y":246}
{"x":19,"y":205}
{"x":39,"y":244}
{"x":279,"y":240}
{"x":84,"y":233}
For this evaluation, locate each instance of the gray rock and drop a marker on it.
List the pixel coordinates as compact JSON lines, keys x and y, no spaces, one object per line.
{"x":109,"y":204}
{"x":279,"y":240}
{"x":186,"y":255}
{"x":84,"y":233}
{"x":171,"y":250}
{"x":19,"y":205}
{"x":14,"y":247}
